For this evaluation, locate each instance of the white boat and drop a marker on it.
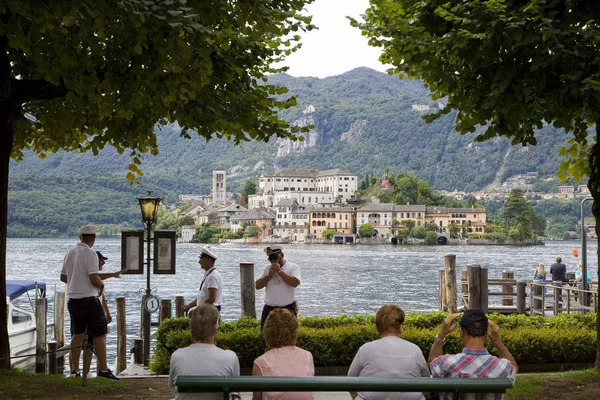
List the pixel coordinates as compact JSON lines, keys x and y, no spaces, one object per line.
{"x":21,"y":319}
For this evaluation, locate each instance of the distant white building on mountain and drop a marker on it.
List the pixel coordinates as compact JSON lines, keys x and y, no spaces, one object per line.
{"x":306,"y":186}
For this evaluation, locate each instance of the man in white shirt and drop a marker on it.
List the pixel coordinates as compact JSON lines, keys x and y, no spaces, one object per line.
{"x":81,"y":274}
{"x":280,"y":279}
{"x":203,"y":357}
{"x":211,"y":287}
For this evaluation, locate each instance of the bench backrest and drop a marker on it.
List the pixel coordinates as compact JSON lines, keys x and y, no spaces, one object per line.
{"x":187,"y":384}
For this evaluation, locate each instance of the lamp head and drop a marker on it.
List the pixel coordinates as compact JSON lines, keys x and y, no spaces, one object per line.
{"x":149,"y":206}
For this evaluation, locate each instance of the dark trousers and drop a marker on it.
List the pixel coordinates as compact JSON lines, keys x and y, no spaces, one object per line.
{"x":267,"y":310}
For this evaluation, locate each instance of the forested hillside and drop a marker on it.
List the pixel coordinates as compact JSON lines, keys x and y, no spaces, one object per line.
{"x":363,"y":121}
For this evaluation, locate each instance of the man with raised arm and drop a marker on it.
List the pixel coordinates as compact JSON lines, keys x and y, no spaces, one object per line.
{"x":84,"y":286}
{"x":280,"y":278}
{"x":474,"y":361}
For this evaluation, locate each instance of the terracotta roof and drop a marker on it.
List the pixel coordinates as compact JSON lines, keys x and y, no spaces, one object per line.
{"x":257,"y":213}
{"x":382,"y":207}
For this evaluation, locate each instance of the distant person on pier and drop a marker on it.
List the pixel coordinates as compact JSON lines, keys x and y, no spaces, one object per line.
{"x":280,"y":278}
{"x":389,"y":357}
{"x":540,"y":275}
{"x":211,"y":287}
{"x":81,"y":274}
{"x":579,"y":281}
{"x":203,"y":357}
{"x":558,"y":271}
{"x":283,"y":357}
{"x":474,"y":361}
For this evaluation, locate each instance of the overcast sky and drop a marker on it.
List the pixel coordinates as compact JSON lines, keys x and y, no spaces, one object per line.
{"x":335,"y":47}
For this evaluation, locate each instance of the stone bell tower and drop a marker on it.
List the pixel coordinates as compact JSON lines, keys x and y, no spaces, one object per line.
{"x":219,"y":186}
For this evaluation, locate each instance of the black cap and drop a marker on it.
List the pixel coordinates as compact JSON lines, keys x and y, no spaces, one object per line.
{"x":101,"y":257}
{"x":474,"y":319}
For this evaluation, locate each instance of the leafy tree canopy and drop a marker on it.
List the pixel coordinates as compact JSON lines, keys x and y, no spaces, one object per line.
{"x":512,"y":66}
{"x":81,"y":75}
{"x":366,"y":230}
{"x":508,"y":65}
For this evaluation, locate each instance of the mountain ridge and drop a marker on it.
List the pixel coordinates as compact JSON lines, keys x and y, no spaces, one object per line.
{"x":385,"y":132}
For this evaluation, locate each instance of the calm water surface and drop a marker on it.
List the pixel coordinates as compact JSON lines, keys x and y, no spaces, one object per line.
{"x":336,"y":279}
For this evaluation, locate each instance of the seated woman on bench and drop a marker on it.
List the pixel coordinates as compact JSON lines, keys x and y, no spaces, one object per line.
{"x":283,"y":357}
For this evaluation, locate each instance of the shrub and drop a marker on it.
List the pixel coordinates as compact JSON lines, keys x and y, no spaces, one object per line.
{"x":334,"y":341}
{"x":419,"y":232}
{"x":430,"y":238}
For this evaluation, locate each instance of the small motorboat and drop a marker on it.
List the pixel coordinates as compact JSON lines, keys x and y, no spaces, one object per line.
{"x":21,"y":319}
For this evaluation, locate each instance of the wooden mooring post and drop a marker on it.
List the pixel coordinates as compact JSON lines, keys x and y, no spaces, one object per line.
{"x":508,"y":289}
{"x":40,"y":326}
{"x":179,"y":306}
{"x":138,"y":351}
{"x":448,"y":284}
{"x":121,"y":336}
{"x":248,"y":294}
{"x":165,"y":310}
{"x":477,"y":278}
{"x":521,"y":297}
{"x":52,"y":359}
{"x":59,"y":327}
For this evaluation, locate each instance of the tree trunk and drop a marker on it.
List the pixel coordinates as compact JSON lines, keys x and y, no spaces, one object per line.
{"x":6,"y":145}
{"x":594,"y":186}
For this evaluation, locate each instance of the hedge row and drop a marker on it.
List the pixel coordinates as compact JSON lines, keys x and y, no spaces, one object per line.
{"x":531,"y":340}
{"x":431,"y":320}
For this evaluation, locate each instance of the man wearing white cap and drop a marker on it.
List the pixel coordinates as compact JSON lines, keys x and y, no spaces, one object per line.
{"x":211,"y":287}
{"x":81,"y":274}
{"x":280,"y":279}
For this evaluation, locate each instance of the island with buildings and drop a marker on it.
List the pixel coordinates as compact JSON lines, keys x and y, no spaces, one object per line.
{"x":296,"y":205}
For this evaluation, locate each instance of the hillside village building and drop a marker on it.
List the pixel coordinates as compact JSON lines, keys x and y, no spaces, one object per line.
{"x":341,"y":220}
{"x":292,"y":221}
{"x":468,"y":220}
{"x":306,"y":186}
{"x":387,"y":217}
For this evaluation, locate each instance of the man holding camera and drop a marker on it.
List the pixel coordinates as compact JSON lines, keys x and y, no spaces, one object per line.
{"x":280,"y":279}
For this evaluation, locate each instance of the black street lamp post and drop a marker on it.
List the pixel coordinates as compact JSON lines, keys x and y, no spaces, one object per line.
{"x":149,"y":206}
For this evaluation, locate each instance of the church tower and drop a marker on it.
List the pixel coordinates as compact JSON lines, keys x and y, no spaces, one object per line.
{"x":219,"y":186}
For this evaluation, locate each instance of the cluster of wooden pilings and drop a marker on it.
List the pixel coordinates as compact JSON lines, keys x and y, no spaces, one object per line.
{"x":475,"y":292}
{"x":50,"y":354}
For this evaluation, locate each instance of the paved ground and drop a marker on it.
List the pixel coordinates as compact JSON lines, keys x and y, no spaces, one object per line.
{"x":317,"y":396}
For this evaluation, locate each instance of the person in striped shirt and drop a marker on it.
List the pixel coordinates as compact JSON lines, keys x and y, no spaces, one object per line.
{"x":474,"y":361}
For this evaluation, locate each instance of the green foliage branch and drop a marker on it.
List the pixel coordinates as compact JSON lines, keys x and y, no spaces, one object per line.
{"x":80,"y":75}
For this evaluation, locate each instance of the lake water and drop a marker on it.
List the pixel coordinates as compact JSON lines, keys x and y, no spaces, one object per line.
{"x":336,"y":279}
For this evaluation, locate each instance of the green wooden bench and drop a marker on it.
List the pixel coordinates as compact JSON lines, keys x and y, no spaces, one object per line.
{"x":452,"y":386}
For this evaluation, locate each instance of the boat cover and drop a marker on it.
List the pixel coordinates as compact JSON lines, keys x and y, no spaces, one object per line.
{"x":17,"y":287}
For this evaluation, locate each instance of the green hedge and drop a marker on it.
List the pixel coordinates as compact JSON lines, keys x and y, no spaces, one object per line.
{"x":334,"y":341}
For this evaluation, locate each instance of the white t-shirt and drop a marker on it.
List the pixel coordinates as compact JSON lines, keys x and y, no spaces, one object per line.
{"x":79,"y":263}
{"x":212,"y":279}
{"x":277,"y":292}
{"x":201,"y":359}
{"x":389,"y":357}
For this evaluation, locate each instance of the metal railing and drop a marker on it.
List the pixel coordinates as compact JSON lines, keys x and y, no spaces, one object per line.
{"x":453,"y":386}
{"x":556,"y":298}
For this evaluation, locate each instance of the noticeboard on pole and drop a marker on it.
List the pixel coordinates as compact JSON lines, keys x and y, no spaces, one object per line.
{"x":132,"y":251}
{"x":164,"y":252}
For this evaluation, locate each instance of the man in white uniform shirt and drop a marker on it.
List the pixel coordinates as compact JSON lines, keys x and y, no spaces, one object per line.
{"x":280,"y":279}
{"x":211,"y":287}
{"x":84,"y":286}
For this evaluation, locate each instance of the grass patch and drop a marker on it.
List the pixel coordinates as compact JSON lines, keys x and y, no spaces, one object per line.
{"x":526,"y":386}
{"x":530,"y":385}
{"x":16,"y":384}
